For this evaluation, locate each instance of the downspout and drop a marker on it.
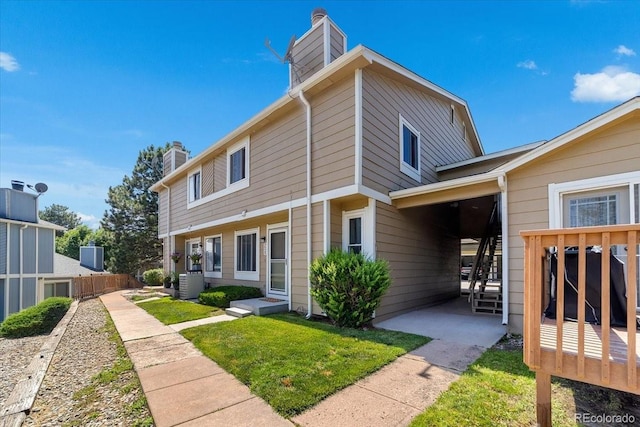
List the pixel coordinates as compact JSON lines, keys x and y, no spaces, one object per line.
{"x":168,"y":220}
{"x":504,"y":216}
{"x":24,"y":227}
{"x":308,"y":108}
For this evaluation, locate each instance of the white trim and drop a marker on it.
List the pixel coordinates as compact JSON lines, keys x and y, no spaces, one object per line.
{"x":358,"y":127}
{"x":244,"y":143}
{"x":327,"y":42}
{"x":367,"y":214}
{"x":406,"y":168}
{"x":349,"y":190}
{"x":326,"y":226}
{"x":446,"y":185}
{"x":212,"y":274}
{"x":187,"y":251}
{"x":556,"y":192}
{"x":497,"y":154}
{"x":218,"y":194}
{"x":277,"y":228}
{"x":191,"y":173}
{"x":504,"y":217}
{"x":246,"y":275}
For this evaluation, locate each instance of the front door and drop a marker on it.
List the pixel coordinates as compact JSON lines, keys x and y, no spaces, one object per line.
{"x":277,"y":277}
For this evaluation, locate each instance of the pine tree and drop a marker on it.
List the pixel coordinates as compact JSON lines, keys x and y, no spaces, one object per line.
{"x":132,"y":220}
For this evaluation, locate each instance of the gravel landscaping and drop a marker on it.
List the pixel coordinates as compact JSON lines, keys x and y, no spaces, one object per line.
{"x":90,"y":381}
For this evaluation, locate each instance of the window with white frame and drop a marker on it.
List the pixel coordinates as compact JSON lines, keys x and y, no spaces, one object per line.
{"x":409,"y":150}
{"x":247,"y":255}
{"x":354,"y":243}
{"x":358,"y":231}
{"x":238,"y":162}
{"x":213,"y":256}
{"x":192,"y":247}
{"x":194,"y":186}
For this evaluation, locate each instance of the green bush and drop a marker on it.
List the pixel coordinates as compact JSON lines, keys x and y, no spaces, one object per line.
{"x":348,"y":286}
{"x":35,"y":320}
{"x":221,"y":296}
{"x":153,"y":277}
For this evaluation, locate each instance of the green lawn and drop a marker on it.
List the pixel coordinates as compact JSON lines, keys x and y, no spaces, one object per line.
{"x":293,"y":363}
{"x":170,"y":311}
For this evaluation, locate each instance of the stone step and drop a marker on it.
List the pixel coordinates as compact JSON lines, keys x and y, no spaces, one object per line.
{"x":238,"y":312}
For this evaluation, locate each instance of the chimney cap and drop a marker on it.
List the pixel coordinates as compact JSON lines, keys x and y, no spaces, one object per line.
{"x":17,"y":185}
{"x":177,"y":144}
{"x":317,"y":14}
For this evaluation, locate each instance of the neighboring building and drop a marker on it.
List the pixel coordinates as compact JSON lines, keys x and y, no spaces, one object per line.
{"x":365,"y":155}
{"x":30,"y":270}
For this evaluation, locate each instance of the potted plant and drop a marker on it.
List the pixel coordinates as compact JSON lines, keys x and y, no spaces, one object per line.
{"x":175,"y":280}
{"x":176,"y":256}
{"x":196,"y":258}
{"x":167,"y":281}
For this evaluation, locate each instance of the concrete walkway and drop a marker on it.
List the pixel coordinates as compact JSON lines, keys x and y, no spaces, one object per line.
{"x":183,"y":387}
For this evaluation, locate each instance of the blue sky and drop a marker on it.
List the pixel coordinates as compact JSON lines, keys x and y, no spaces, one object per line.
{"x":84,"y":86}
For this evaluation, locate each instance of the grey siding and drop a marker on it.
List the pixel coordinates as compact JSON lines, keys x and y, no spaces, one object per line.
{"x":2,"y":300}
{"x":3,"y":244}
{"x":45,"y":250}
{"x":29,"y":250}
{"x":423,"y":257}
{"x":14,"y":295}
{"x":14,"y":249}
{"x":442,"y":142}
{"x":29,"y":291}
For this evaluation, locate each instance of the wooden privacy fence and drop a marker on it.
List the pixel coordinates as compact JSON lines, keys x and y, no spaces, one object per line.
{"x":596,"y":353}
{"x":98,"y":284}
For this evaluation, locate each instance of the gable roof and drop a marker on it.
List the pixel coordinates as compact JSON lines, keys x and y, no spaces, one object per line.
{"x":343,"y":66}
{"x":63,"y":266}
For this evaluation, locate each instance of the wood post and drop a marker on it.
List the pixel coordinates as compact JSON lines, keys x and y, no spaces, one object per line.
{"x":543,"y":398}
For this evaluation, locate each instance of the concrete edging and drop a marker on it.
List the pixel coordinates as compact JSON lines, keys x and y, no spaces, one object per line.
{"x":21,"y":399}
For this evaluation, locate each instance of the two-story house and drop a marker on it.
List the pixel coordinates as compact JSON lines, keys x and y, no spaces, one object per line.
{"x":363,"y":154}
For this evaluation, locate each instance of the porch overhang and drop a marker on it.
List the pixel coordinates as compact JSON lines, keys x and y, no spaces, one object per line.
{"x":467,"y":187}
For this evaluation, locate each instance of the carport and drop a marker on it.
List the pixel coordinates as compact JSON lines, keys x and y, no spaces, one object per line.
{"x":474,"y":198}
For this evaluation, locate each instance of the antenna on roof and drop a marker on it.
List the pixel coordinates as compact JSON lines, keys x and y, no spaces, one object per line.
{"x":39,"y":188}
{"x":288,"y":56}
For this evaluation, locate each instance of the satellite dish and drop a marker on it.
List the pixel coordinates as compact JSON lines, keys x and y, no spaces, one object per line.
{"x":41,"y":187}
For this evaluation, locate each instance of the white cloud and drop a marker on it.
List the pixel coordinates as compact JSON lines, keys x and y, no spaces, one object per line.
{"x":8,"y":62}
{"x":528,"y":65}
{"x":612,"y":84}
{"x":89,"y":220}
{"x":622,"y":50}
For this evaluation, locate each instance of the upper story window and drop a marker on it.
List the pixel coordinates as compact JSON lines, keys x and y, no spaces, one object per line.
{"x":238,"y":161}
{"x":409,"y":150}
{"x":195,"y":190}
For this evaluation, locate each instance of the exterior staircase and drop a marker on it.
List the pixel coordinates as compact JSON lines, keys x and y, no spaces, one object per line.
{"x":485,"y":296}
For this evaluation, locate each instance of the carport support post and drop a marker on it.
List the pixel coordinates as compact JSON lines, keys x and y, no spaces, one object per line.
{"x":543,"y":398}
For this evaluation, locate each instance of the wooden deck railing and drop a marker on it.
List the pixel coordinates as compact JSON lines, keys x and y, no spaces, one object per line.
{"x":98,"y":284}
{"x":596,"y":354}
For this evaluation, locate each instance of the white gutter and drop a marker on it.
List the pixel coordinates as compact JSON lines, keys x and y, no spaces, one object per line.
{"x":168,"y":221}
{"x":24,"y":227}
{"x":504,"y":216}
{"x":308,"y":108}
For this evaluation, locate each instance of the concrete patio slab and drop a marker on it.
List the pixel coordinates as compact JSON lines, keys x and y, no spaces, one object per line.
{"x":179,"y":371}
{"x":253,"y":412}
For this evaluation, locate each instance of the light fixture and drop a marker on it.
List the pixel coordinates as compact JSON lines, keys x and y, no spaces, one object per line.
{"x":263,"y":239}
{"x":243,"y":213}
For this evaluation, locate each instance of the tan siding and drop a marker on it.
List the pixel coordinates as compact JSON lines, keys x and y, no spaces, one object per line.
{"x":333,"y":151}
{"x":207,"y":178}
{"x":220,"y":172}
{"x":442,"y":143}
{"x":308,"y":54}
{"x":422,"y":256}
{"x":162,"y":211}
{"x":613,"y":151}
{"x":336,"y":225}
{"x":299,"y":265}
